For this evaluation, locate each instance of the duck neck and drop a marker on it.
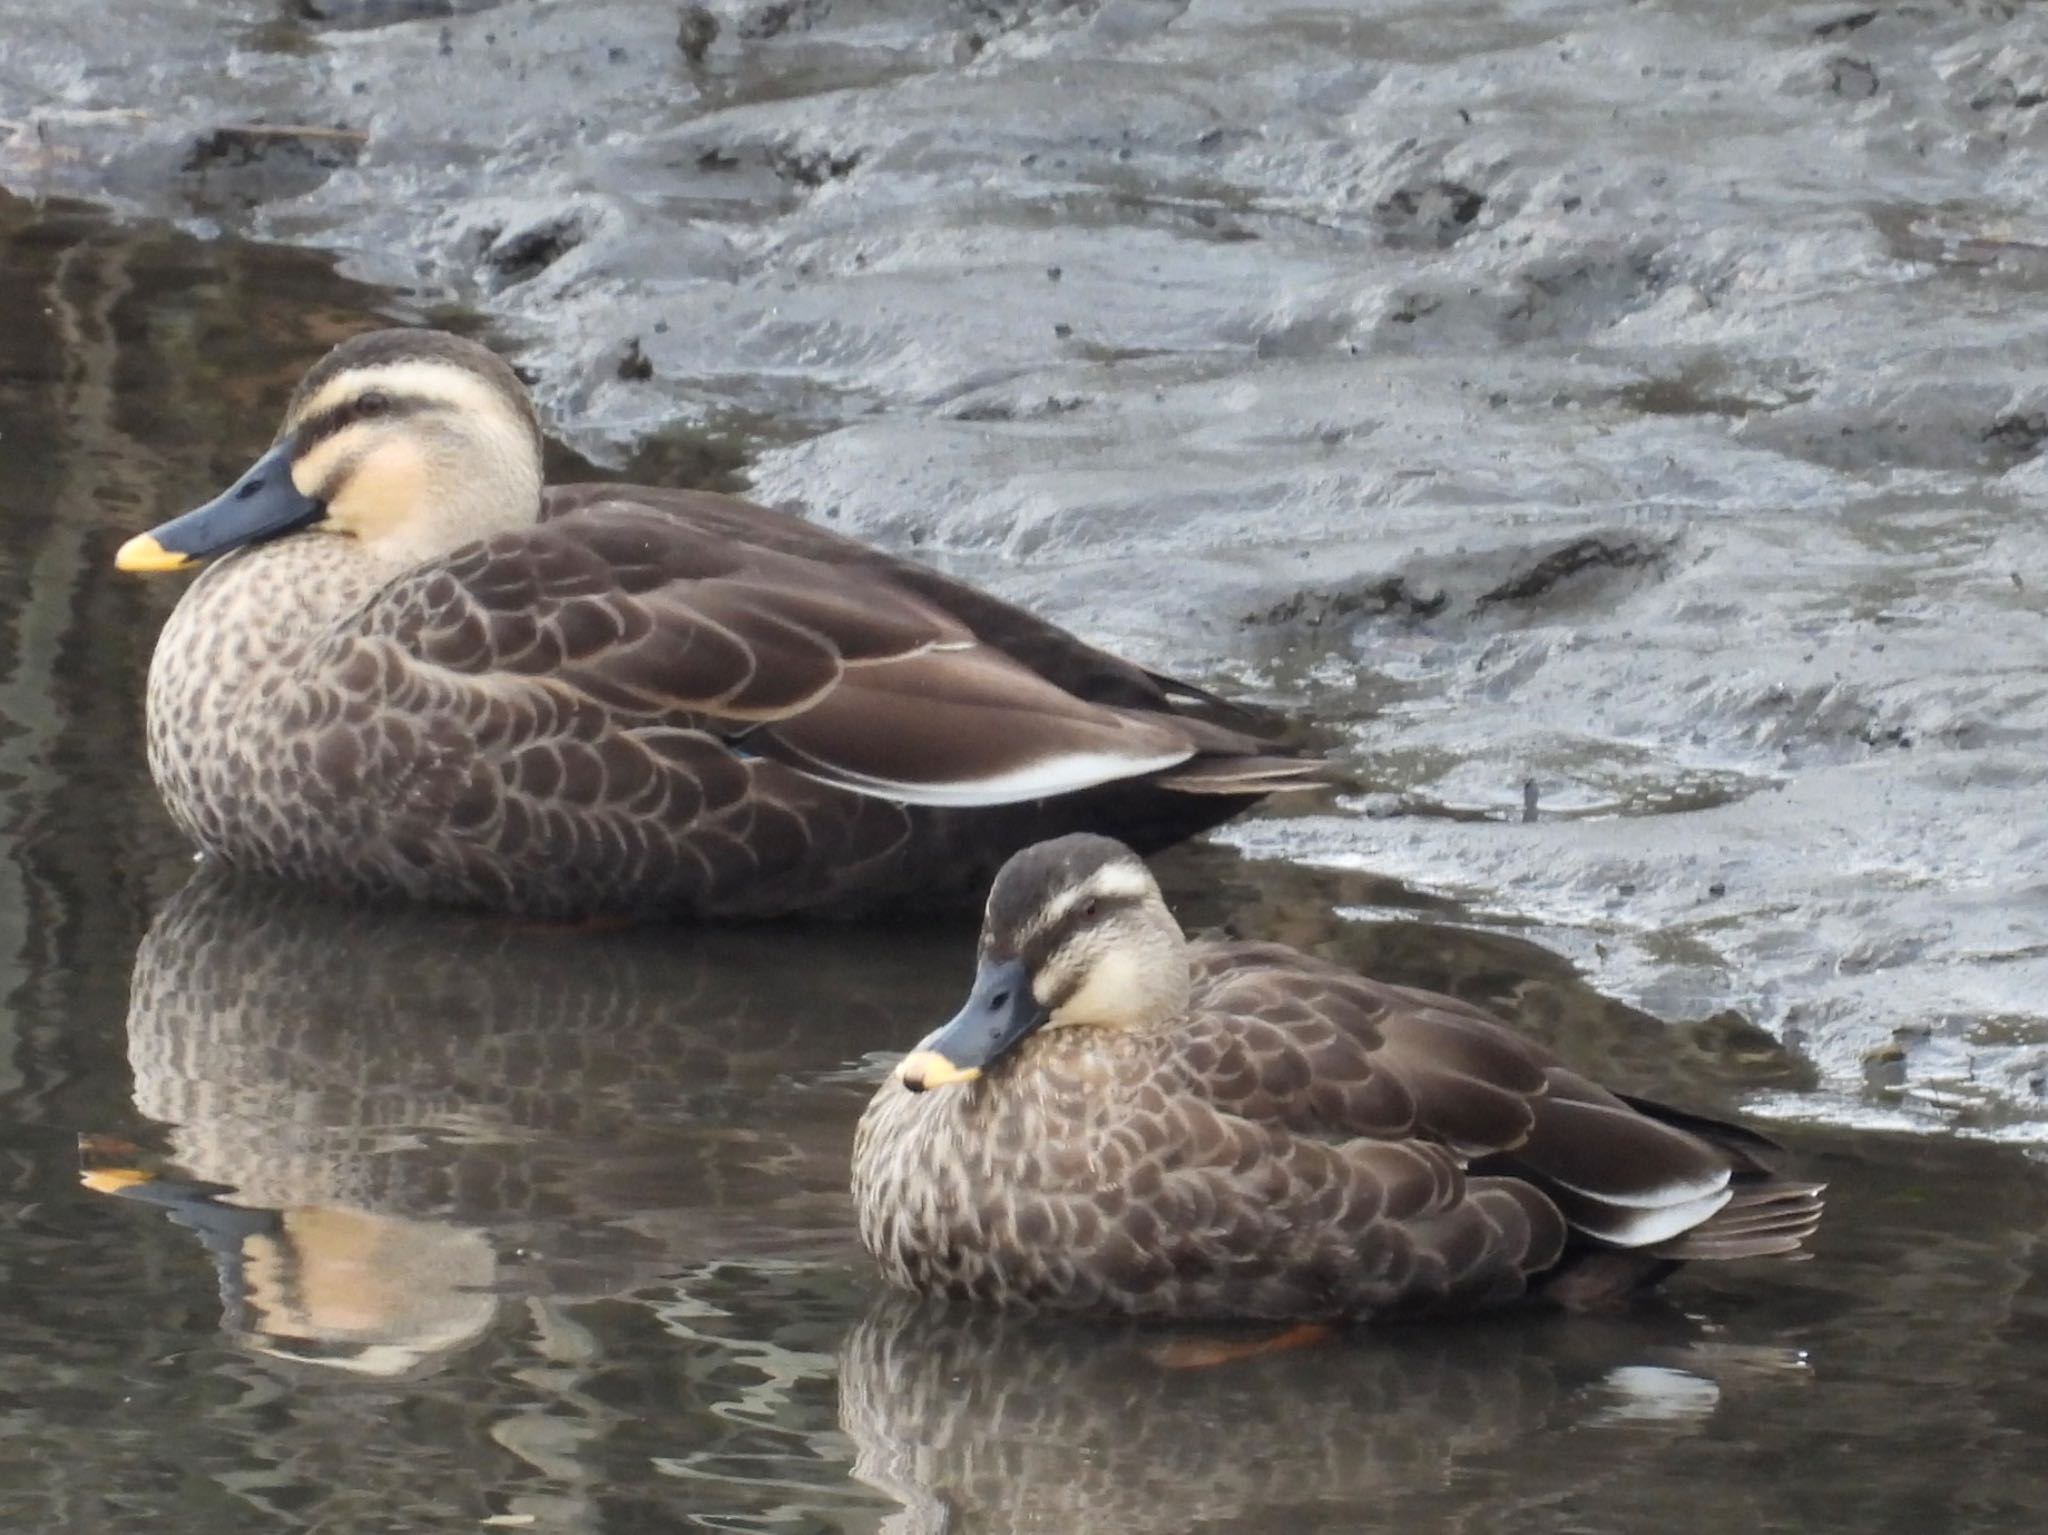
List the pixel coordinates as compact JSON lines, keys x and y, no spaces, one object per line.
{"x":258,"y":609}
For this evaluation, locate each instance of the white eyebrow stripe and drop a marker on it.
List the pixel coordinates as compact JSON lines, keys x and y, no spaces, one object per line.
{"x":442,"y":383}
{"x":1120,"y":879}
{"x":1116,"y":880}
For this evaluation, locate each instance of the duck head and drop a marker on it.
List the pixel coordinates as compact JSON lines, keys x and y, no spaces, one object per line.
{"x":1076,"y":935}
{"x":413,"y":442}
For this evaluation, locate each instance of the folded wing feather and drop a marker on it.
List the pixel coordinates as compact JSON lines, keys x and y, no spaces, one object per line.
{"x":1322,"y":1047}
{"x":832,"y":669}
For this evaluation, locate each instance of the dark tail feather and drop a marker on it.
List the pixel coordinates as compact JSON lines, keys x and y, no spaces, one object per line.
{"x":1250,"y":719}
{"x":1232,"y":761}
{"x":1731,"y":1138}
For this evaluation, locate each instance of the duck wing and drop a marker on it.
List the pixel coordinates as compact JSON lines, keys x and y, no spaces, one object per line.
{"x":1281,"y":1037}
{"x":1060,"y":657}
{"x":1217,"y":1214}
{"x":833,"y":667}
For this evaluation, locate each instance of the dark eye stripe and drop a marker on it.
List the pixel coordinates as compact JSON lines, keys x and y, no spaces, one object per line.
{"x":370,"y":404}
{"x":1043,"y":945}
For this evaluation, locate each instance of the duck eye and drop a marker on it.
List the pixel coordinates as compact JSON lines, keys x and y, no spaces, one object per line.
{"x":1092,"y":910}
{"x":373,"y":402}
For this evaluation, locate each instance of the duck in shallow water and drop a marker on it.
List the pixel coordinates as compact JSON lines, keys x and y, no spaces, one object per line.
{"x":414,"y":670}
{"x":1122,"y":1121}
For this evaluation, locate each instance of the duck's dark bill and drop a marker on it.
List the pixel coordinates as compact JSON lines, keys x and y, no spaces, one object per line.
{"x":1000,"y":1011}
{"x":263,"y":503}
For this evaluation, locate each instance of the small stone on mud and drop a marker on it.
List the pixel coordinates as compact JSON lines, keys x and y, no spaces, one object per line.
{"x":696,"y":32}
{"x":1853,"y":79}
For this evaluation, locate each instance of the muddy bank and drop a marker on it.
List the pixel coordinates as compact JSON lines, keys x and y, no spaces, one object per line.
{"x":1623,"y":410}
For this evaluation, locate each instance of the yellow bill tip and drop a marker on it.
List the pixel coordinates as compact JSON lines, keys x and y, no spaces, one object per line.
{"x":922,"y":1069}
{"x":143,"y":552}
{"x":112,"y":1180}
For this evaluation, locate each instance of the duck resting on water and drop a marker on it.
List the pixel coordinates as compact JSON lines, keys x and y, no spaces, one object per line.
{"x":411,"y":669}
{"x":1121,"y":1121}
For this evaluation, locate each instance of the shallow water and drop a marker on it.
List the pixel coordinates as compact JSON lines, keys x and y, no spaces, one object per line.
{"x":421,"y":1222}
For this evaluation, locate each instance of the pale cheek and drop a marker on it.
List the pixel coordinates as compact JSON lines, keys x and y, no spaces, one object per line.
{"x":384,"y":494}
{"x":343,"y":1281}
{"x":1114,"y":991}
{"x":315,"y":469}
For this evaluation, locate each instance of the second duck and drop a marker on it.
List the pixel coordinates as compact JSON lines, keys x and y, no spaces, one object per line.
{"x":1121,"y":1121}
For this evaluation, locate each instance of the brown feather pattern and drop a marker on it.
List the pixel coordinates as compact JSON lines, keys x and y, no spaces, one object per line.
{"x":663,"y":703}
{"x":1297,"y":1142}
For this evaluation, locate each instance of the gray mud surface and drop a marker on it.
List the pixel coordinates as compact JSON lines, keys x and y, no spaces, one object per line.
{"x":1630,"y":411}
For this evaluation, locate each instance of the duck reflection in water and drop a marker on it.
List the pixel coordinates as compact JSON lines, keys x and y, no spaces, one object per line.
{"x":359,"y":1290}
{"x":383,"y":1123}
{"x":995,"y":1421}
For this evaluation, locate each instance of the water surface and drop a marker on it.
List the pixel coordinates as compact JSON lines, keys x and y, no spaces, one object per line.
{"x":418,"y":1222}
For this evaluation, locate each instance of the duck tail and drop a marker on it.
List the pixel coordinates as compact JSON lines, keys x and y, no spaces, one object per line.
{"x":1771,"y":1218}
{"x":1230,"y":762}
{"x":1767,"y":1214}
{"x":1637,"y":1176}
